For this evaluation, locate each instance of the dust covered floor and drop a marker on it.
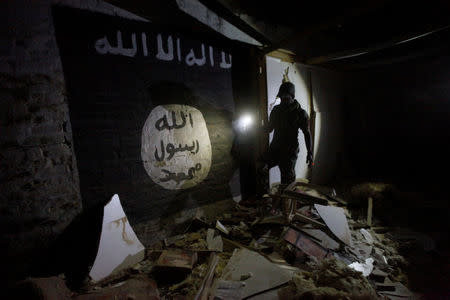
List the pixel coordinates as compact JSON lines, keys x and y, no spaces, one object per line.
{"x":326,"y":250}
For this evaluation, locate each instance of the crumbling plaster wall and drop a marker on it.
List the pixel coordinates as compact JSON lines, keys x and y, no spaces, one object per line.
{"x":39,"y":179}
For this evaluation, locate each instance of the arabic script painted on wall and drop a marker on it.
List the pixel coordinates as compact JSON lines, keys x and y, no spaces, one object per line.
{"x":194,"y":56}
{"x":175,"y":149}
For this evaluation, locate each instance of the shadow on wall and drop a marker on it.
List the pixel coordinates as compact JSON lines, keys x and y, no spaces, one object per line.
{"x":74,"y":251}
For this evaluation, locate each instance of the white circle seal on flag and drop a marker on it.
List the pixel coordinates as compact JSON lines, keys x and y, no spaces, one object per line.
{"x":176,"y":149}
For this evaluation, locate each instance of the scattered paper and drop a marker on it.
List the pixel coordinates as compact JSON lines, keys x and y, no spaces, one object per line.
{"x":367,"y":236}
{"x":214,"y":243}
{"x":365,"y":268}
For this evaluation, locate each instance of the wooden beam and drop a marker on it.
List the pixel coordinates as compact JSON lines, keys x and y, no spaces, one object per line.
{"x":263,"y":137}
{"x":152,"y":10}
{"x":312,"y":122}
{"x":236,"y":21}
{"x":369,"y":211}
{"x":323,"y":26}
{"x":373,"y":48}
{"x":168,"y":14}
{"x":286,"y":56}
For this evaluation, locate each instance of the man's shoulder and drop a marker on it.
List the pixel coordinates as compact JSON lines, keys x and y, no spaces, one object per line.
{"x":300,"y":110}
{"x":303,"y":113}
{"x":276,"y":106}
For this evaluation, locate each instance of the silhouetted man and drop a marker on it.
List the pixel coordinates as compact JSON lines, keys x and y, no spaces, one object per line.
{"x":285,"y":120}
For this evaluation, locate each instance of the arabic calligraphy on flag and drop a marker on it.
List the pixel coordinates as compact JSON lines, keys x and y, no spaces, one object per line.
{"x":104,"y":46}
{"x":176,"y":149}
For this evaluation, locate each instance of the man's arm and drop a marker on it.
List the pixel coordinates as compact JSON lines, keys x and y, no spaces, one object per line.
{"x":308,"y":140}
{"x":268,"y":127}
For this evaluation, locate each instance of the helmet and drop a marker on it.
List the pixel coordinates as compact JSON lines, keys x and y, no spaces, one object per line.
{"x":286,"y":88}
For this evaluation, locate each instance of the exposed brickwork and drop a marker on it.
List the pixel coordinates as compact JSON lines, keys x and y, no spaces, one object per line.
{"x":38,"y":174}
{"x":39,"y":185}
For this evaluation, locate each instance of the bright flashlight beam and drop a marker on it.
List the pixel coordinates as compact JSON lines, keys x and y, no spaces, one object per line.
{"x":246,"y":121}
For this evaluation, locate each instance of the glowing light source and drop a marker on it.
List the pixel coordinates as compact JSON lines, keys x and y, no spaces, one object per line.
{"x":245,"y":121}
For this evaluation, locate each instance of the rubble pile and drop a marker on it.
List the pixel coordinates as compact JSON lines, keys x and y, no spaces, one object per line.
{"x":332,"y":277}
{"x":318,"y":253}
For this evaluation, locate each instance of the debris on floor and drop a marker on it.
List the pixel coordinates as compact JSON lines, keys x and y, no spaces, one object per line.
{"x":330,"y":278}
{"x":177,"y":259}
{"x":137,"y":288}
{"x":254,"y":252}
{"x":255,"y":271}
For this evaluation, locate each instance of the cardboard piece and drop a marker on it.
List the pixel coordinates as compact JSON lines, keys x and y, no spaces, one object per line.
{"x":322,"y":238}
{"x":119,"y":247}
{"x":228,"y":290}
{"x":265,"y":275}
{"x":177,"y":259}
{"x":334,"y":217}
{"x":303,"y":243}
{"x":398,"y":292}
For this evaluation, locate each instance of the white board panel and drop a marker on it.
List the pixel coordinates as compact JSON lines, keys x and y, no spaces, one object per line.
{"x":119,"y":247}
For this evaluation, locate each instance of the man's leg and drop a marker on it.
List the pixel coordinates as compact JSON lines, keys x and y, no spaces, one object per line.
{"x":287,"y":170}
{"x":263,"y":165}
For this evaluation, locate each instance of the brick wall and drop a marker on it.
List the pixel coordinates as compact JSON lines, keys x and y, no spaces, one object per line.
{"x":38,"y":172}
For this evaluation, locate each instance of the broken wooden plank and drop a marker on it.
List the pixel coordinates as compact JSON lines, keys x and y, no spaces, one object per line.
{"x":305,"y":244}
{"x":337,"y":199}
{"x":302,"y":218}
{"x":385,"y":287}
{"x":177,"y":259}
{"x":369,"y":211}
{"x":400,"y":291}
{"x":303,"y":197}
{"x":378,"y":275}
{"x":322,"y":238}
{"x":204,"y":290}
{"x":293,"y":192}
{"x":273,"y":220}
{"x":221,"y":227}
